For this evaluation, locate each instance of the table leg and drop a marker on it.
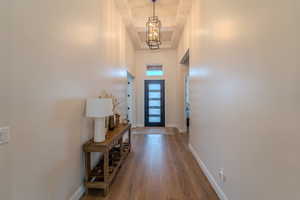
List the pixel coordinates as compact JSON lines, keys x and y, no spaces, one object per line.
{"x":106,"y":191}
{"x":121,"y":148}
{"x":106,"y":171}
{"x":129,"y":139}
{"x":87,"y":165}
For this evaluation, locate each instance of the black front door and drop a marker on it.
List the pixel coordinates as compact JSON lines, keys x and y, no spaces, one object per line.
{"x":154,"y":103}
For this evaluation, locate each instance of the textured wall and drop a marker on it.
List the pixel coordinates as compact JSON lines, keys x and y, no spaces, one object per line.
{"x":63,"y":52}
{"x":245,"y":95}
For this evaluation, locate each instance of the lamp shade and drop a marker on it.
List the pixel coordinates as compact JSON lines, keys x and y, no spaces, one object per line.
{"x":98,"y":108}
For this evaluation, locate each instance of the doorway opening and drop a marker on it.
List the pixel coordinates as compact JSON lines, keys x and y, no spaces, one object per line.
{"x":185,"y":61}
{"x":154,"y":103}
{"x":130,"y":99}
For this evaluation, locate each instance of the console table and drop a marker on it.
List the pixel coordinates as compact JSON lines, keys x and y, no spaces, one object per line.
{"x":114,"y":151}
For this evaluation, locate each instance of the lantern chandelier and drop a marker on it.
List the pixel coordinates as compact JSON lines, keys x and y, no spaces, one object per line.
{"x":153,"y":30}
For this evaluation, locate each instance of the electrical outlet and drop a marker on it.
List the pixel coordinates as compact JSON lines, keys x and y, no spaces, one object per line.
{"x":222,"y":176}
{"x":4,"y":135}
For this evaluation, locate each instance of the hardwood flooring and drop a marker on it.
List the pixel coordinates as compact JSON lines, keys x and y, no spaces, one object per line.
{"x":160,"y":167}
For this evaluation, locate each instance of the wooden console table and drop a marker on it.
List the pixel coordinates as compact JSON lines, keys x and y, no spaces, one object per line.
{"x":114,"y":151}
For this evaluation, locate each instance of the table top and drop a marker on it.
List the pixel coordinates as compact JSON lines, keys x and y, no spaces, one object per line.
{"x":111,"y":136}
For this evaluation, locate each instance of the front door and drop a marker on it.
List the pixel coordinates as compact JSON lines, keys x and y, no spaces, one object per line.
{"x":154,"y":103}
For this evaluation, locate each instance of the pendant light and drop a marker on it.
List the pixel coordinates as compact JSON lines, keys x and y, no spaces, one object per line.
{"x":153,"y":27}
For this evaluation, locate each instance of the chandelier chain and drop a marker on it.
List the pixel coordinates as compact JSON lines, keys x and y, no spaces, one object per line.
{"x":153,"y":27}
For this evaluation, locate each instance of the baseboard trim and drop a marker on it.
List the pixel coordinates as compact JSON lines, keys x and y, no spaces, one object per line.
{"x":171,"y":126}
{"x":182,"y":130}
{"x":78,"y":193}
{"x":209,"y":176}
{"x":167,"y":126}
{"x":139,"y":126}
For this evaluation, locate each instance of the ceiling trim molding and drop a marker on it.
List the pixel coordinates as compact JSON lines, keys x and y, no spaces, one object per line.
{"x":125,"y":12}
{"x":183,"y":10}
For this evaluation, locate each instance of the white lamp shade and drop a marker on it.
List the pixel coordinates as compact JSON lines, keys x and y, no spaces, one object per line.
{"x":98,"y":108}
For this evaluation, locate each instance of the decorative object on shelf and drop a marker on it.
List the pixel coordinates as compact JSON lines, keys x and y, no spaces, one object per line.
{"x":117,"y":118}
{"x":153,"y":27}
{"x":114,"y":120}
{"x":99,"y":109}
{"x":114,"y":99}
{"x":111,"y":123}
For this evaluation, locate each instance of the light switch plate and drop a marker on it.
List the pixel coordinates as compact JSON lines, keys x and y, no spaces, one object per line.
{"x":4,"y":135}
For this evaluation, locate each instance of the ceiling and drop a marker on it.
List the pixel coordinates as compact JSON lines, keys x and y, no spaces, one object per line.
{"x":172,"y":14}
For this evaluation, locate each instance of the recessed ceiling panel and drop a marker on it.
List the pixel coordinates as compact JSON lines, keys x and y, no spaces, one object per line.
{"x":169,"y":13}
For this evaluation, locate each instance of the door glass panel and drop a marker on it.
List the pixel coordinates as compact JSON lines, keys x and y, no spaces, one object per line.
{"x":154,"y":103}
{"x":154,"y":111}
{"x":154,"y":95}
{"x":154,"y":86}
{"x":154,"y":119}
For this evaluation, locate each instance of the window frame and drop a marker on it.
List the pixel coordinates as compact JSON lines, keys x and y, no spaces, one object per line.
{"x":156,"y":70}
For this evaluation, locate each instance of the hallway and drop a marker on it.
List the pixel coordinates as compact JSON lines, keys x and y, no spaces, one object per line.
{"x":160,"y":167}
{"x":227,"y":72}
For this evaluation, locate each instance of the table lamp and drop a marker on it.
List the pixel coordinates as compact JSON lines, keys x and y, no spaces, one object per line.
{"x":99,"y":109}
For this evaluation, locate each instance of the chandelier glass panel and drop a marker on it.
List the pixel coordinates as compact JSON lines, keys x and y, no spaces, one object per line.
{"x":153,"y":27}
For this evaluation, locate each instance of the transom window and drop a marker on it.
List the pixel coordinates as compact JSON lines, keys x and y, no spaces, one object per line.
{"x":154,"y":70}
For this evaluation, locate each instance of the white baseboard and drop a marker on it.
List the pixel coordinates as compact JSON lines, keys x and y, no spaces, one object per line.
{"x":181,"y":130}
{"x":78,"y":193}
{"x":167,"y":125}
{"x":209,"y":176}
{"x":139,"y":126}
{"x":171,"y":125}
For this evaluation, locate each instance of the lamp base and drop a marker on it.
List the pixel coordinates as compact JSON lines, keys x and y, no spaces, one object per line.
{"x":100,"y":130}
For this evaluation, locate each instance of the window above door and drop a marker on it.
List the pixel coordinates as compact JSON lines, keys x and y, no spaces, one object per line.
{"x":154,"y":70}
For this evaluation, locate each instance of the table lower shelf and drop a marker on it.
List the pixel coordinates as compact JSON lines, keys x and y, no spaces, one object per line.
{"x":96,"y":178}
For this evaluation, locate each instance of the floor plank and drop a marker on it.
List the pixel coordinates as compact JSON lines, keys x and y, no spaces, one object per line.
{"x":160,"y":167}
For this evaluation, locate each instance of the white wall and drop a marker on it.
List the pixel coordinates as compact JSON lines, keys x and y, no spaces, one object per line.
{"x":62,"y":53}
{"x":245,"y":95}
{"x":129,"y":55}
{"x":185,"y":39}
{"x":168,"y":59}
{"x":5,"y":157}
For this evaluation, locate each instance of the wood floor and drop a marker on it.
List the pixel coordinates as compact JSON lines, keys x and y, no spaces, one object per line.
{"x":160,"y":167}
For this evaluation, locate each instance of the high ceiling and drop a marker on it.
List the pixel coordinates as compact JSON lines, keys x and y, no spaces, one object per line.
{"x":172,"y":14}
